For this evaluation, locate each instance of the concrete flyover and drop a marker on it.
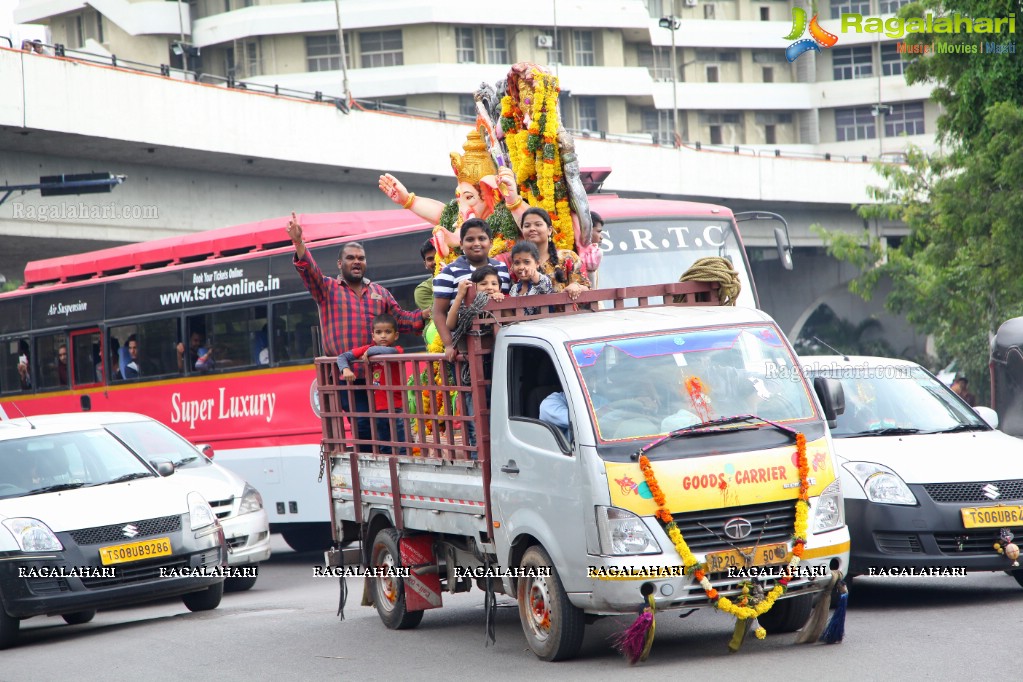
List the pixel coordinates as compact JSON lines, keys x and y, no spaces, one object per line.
{"x":199,"y":156}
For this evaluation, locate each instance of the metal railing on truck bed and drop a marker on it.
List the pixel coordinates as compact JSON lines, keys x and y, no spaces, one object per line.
{"x":416,"y":406}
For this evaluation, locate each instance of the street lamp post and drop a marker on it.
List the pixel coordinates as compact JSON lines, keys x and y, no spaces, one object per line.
{"x":672,"y":23}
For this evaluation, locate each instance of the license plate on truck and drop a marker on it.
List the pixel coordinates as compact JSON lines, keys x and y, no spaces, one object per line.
{"x":135,"y":551}
{"x":765,"y":555}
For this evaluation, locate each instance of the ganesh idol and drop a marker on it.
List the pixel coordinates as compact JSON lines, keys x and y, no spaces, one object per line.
{"x":483,"y":191}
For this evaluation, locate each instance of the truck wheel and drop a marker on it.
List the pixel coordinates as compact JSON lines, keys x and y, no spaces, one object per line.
{"x":553,"y":626}
{"x":79,"y":617}
{"x":8,"y":629}
{"x":389,"y":593}
{"x":787,"y":615}
{"x":241,"y":583}
{"x":205,"y":600}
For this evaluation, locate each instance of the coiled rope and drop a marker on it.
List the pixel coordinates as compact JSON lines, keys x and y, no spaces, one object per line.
{"x":714,"y":269}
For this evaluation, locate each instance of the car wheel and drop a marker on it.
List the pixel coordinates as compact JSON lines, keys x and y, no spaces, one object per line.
{"x":8,"y":629}
{"x":389,"y":592}
{"x":313,"y":538}
{"x":787,"y":615}
{"x":79,"y":617}
{"x":205,"y":600}
{"x":553,"y":626}
{"x":241,"y":583}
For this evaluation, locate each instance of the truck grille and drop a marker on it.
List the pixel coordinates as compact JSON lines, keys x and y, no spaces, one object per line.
{"x":973,"y":491}
{"x":115,"y":532}
{"x":771,"y":522}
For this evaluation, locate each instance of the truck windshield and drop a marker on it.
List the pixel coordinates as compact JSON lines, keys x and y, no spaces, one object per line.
{"x":659,"y":250}
{"x":644,"y":386}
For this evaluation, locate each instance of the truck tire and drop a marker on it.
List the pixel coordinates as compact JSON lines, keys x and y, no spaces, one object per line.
{"x":389,"y":593}
{"x":787,"y":615}
{"x":204,"y":600}
{"x":79,"y":617}
{"x":552,"y":625}
{"x":8,"y":629}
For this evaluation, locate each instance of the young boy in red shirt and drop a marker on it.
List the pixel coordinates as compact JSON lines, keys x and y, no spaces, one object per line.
{"x":385,"y":336}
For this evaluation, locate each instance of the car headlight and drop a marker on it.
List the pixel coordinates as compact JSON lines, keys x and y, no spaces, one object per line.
{"x":252,"y":501}
{"x":32,"y":535}
{"x":200,"y":514}
{"x":881,"y":484}
{"x":622,"y":533}
{"x":829,"y":513}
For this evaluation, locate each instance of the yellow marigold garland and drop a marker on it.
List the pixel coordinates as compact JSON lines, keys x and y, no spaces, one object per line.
{"x":742,"y":611}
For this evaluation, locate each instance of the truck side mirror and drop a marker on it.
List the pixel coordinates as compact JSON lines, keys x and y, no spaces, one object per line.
{"x":832,"y":397}
{"x":784,"y":248}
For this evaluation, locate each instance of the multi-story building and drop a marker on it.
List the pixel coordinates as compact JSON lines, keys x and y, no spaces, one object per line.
{"x":728,"y":79}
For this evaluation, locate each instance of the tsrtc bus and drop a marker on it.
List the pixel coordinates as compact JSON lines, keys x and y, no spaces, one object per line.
{"x":65,"y":334}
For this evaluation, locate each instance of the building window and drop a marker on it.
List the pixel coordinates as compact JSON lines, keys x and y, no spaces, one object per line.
{"x":79,"y":31}
{"x":252,"y":62}
{"x":852,"y":62}
{"x":654,"y":7}
{"x":891,"y":6}
{"x":710,"y":11}
{"x":657,"y":123}
{"x":768,"y":72}
{"x":582,"y":48}
{"x":891,"y":60}
{"x":712,"y":74}
{"x":467,"y":107}
{"x":496,"y":43}
{"x":840,"y":7}
{"x":854,"y":123}
{"x":770,"y":136}
{"x":657,"y":60}
{"x":715,"y":135}
{"x":765,"y":14}
{"x":715,"y":56}
{"x":905,"y":118}
{"x":99,"y":28}
{"x":323,"y":53}
{"x":465,"y":45}
{"x":586,"y":108}
{"x":769,"y":57}
{"x":381,"y":48}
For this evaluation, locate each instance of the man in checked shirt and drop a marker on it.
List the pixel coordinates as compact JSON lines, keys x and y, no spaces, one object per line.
{"x":347,"y":307}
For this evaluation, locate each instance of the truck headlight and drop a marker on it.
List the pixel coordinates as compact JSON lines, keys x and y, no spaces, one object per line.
{"x":252,"y":501}
{"x":200,"y":514}
{"x":622,"y":533}
{"x":881,"y":484}
{"x":830,"y":512}
{"x":32,"y":535}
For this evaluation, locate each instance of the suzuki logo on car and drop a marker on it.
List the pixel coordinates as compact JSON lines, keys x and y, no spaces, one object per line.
{"x":991,"y":491}
{"x":738,"y":528}
{"x":130,"y":531}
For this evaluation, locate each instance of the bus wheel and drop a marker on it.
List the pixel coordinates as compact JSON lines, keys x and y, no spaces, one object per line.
{"x":787,"y":615}
{"x":553,"y":626}
{"x":312,"y":537}
{"x":389,"y":592}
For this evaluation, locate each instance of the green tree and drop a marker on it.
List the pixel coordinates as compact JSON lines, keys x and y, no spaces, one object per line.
{"x":959,"y":272}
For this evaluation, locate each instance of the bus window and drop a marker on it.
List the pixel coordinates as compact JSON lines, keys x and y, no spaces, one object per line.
{"x":15,"y":372}
{"x":155,"y":355}
{"x":295,"y":325}
{"x":52,"y":358}
{"x":233,"y":339}
{"x":86,"y":358}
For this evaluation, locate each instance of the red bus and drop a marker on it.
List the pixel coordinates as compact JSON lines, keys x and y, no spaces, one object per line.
{"x":66,"y":334}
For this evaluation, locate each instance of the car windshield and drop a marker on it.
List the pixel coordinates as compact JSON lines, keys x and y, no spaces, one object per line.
{"x":52,"y":462}
{"x":643,"y":386}
{"x":657,"y":250}
{"x":895,"y":399}
{"x":153,"y":440}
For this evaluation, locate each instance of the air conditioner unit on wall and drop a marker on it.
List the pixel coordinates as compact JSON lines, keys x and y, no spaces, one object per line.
{"x":545,"y":42}
{"x":692,"y":3}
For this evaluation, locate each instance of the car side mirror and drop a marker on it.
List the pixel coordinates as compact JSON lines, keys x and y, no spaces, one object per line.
{"x":832,"y":396}
{"x":164,"y":467}
{"x":988,"y":415}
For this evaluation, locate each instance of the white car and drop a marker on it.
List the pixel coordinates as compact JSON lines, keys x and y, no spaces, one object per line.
{"x":86,"y":524}
{"x":238,"y":505}
{"x":929,"y":484}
